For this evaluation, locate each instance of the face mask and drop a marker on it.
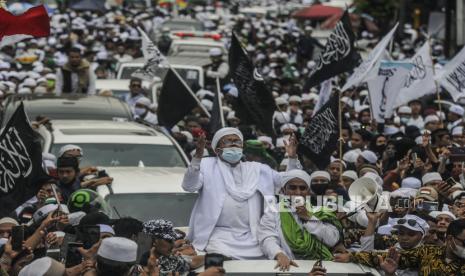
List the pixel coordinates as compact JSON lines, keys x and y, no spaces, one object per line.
{"x":139,"y":111}
{"x":3,"y":241}
{"x":404,"y":120}
{"x":318,"y":189}
{"x":459,"y":251}
{"x":232,"y":155}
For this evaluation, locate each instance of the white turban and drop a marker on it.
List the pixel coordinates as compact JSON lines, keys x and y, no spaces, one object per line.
{"x":223,"y":132}
{"x":66,"y":148}
{"x":288,"y":175}
{"x":324,"y":174}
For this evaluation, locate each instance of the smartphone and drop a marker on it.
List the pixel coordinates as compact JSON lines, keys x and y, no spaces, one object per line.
{"x":73,"y":257}
{"x":414,"y":157}
{"x":17,"y":238}
{"x":54,"y":253}
{"x":428,"y":206}
{"x":213,"y":260}
{"x":101,"y":173}
{"x":90,"y":235}
{"x":451,"y":182}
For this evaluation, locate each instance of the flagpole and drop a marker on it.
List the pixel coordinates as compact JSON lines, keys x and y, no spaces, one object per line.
{"x":341,"y":140}
{"x":220,"y":106}
{"x":437,"y":85}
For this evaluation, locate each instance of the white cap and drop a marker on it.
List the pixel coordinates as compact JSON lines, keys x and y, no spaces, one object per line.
{"x":429,"y":177}
{"x":431,"y":118}
{"x":288,"y":126}
{"x":207,"y":104}
{"x":69,"y":147}
{"x":411,"y":182}
{"x":435,"y":214}
{"x":8,"y":220}
{"x":214,"y":52}
{"x":324,"y":174}
{"x":45,"y":266}
{"x":188,"y":135}
{"x":267,"y":140}
{"x":369,"y":156}
{"x":280,"y":101}
{"x":118,"y":249}
{"x":404,"y":192}
{"x":24,"y":90}
{"x":295,"y":98}
{"x":47,"y":209}
{"x":104,"y":228}
{"x":457,"y":109}
{"x":350,"y":174}
{"x":390,"y":130}
{"x":420,"y":226}
{"x":404,"y":110}
{"x":457,"y":131}
{"x":351,"y":156}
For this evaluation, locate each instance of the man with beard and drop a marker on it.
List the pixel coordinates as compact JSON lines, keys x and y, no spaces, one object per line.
{"x":76,"y":76}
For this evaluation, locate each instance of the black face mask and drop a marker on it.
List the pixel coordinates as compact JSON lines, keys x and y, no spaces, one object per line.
{"x":319,"y":189}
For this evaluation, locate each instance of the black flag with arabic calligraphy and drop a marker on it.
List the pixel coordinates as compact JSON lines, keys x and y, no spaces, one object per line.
{"x":21,"y":169}
{"x":255,"y":104}
{"x":339,"y":55}
{"x":319,"y":140}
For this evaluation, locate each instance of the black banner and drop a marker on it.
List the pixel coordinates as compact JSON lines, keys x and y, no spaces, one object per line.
{"x":339,"y":55}
{"x":20,"y":163}
{"x":320,"y":137}
{"x":175,"y":101}
{"x":255,"y":104}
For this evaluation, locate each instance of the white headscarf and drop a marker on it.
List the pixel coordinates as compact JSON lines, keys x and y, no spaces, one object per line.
{"x":223,"y":132}
{"x":66,"y":148}
{"x":287,"y":176}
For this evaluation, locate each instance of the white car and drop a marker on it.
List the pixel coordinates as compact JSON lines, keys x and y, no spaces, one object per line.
{"x":115,"y":144}
{"x":194,"y":48}
{"x":148,"y":193}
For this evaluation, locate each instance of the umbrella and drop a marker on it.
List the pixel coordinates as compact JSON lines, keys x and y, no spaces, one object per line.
{"x":318,"y":12}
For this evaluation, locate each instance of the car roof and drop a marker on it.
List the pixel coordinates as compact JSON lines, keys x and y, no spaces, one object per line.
{"x":116,"y":84}
{"x":175,"y":61}
{"x":71,"y":107}
{"x":94,"y":131}
{"x":131,"y":180}
{"x":266,"y":267}
{"x":206,"y":42}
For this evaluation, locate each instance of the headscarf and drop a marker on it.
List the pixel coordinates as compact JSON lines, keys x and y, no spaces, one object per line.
{"x":223,"y":132}
{"x":66,"y":148}
{"x":287,"y":176}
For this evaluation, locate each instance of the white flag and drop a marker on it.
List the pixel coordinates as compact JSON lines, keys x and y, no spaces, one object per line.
{"x":153,"y":58}
{"x":384,"y":88}
{"x":325,"y":93}
{"x":420,"y":81}
{"x":367,"y":65}
{"x":452,"y":76}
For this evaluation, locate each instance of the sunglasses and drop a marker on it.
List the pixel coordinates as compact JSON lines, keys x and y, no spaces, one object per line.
{"x":410,"y":222}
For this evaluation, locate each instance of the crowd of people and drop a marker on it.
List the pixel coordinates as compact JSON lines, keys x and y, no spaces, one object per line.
{"x":259,"y":198}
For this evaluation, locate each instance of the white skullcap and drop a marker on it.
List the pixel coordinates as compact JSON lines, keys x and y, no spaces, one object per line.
{"x":404,"y":192}
{"x":435,"y":214}
{"x":324,"y":174}
{"x":45,"y":266}
{"x":66,"y":148}
{"x":144,"y":101}
{"x":118,"y":249}
{"x":295,"y":98}
{"x":431,"y":118}
{"x":24,"y":90}
{"x":429,"y":177}
{"x":104,"y":228}
{"x":421,"y":225}
{"x":457,"y":109}
{"x":364,"y":93}
{"x":202,"y":93}
{"x":288,"y":126}
{"x":215,"y":52}
{"x":390,"y":130}
{"x":75,"y":218}
{"x":280,"y":101}
{"x":223,"y":132}
{"x":457,"y":130}
{"x":350,"y":174}
{"x":280,"y":142}
{"x":50,"y":76}
{"x":40,"y":90}
{"x":207,"y":104}
{"x":411,"y":182}
{"x":351,"y":156}
{"x":348,"y":101}
{"x":188,"y":135}
{"x":313,"y":96}
{"x":47,"y":209}
{"x":8,"y":220}
{"x":267,"y":140}
{"x":369,"y":156}
{"x":288,"y":175}
{"x":404,"y":110}
{"x":385,"y":230}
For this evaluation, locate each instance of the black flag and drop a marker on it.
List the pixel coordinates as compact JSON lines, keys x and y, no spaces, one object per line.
{"x":339,"y":55}
{"x":255,"y":104}
{"x":175,"y":101}
{"x":20,"y":162}
{"x":217,"y":116}
{"x":320,"y":137}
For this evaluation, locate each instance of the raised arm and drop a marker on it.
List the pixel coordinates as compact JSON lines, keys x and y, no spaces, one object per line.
{"x":193,"y":180}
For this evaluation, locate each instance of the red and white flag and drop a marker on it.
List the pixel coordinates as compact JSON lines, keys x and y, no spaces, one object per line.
{"x":14,"y":28}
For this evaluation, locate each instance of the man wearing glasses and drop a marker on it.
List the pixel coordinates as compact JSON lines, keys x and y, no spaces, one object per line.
{"x":428,"y":260}
{"x":226,"y":216}
{"x":135,"y":92}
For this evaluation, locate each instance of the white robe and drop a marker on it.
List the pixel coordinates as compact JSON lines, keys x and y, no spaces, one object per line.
{"x":205,"y":177}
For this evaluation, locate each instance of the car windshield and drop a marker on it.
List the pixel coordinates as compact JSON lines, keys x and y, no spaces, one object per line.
{"x":127,"y":155}
{"x":175,"y":207}
{"x":190,"y":76}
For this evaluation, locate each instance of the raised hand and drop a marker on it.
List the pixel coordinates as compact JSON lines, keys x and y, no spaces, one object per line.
{"x":200,"y":146}
{"x":291,"y":146}
{"x":390,"y":263}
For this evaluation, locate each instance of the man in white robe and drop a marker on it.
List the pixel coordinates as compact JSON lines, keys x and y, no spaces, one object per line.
{"x":227,"y":213}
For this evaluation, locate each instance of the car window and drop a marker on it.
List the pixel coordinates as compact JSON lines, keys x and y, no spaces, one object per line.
{"x":175,"y":207}
{"x":190,"y":76}
{"x":128,"y":155}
